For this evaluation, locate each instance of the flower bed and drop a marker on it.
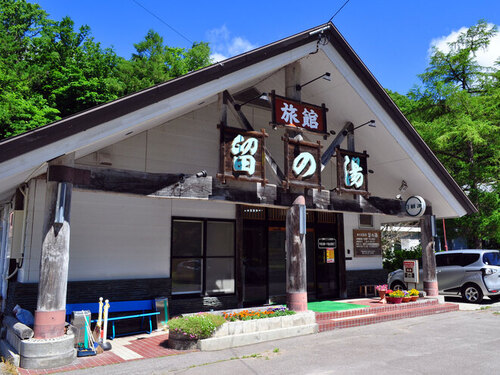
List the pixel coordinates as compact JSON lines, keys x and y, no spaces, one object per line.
{"x":257,"y":314}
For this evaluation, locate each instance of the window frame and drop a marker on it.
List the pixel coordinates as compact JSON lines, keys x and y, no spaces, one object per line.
{"x":203,"y":257}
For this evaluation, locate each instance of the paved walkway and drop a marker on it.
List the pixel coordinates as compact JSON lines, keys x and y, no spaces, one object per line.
{"x":144,"y":346}
{"x":123,"y":349}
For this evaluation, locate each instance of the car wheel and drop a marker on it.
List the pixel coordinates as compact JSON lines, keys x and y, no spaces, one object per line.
{"x":471,"y":293}
{"x":398,"y":285}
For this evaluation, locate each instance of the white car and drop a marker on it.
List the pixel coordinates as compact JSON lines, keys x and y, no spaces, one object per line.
{"x":471,"y":273}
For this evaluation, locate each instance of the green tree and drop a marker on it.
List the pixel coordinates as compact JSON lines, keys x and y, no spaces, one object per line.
{"x":154,"y":62}
{"x":457,"y":112}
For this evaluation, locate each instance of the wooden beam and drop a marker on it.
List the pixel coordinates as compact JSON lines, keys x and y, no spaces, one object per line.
{"x":243,"y":121}
{"x":175,"y":185}
{"x":429,"y":274}
{"x":153,"y":184}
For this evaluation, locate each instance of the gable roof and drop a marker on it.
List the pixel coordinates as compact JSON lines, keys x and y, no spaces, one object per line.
{"x":17,"y":146}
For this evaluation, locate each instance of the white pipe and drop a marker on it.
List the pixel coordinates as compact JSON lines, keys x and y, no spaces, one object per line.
{"x":106,"y":308}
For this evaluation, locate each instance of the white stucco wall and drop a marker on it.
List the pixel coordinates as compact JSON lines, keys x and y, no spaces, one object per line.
{"x":114,"y":236}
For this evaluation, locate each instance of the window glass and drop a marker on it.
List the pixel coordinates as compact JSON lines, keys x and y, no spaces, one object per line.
{"x":220,"y":238}
{"x":187,"y":238}
{"x":220,"y":275}
{"x":186,"y":275}
{"x":365,"y":220}
{"x":492,"y":259}
{"x":443,"y":260}
{"x":469,"y":259}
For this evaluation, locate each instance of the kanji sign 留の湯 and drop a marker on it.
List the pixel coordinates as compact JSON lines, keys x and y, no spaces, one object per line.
{"x":352,"y":172}
{"x":242,"y":155}
{"x":302,"y":163}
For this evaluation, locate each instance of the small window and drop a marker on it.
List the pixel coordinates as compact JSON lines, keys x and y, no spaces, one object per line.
{"x":366,"y":221}
{"x":468,"y":259}
{"x":492,"y":259}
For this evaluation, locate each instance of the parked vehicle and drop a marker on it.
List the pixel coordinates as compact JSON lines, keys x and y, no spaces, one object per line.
{"x":471,"y":273}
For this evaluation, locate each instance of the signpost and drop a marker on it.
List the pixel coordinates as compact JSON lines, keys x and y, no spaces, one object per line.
{"x":367,"y":243}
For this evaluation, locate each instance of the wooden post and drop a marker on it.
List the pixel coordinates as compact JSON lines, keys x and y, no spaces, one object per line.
{"x":240,"y":268}
{"x":428,"y":257}
{"x":296,"y":277}
{"x":51,"y":303}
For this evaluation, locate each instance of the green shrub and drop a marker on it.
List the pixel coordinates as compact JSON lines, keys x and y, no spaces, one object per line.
{"x":393,"y":259}
{"x":198,"y":326}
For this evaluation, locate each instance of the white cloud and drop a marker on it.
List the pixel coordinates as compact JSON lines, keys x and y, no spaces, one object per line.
{"x":485,"y":58}
{"x":223,"y":45}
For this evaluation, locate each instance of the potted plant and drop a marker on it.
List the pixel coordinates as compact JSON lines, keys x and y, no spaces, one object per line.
{"x":388,"y":295}
{"x":185,"y":331}
{"x":414,"y":294}
{"x":397,"y":296}
{"x":406,"y":296}
{"x":382,"y":291}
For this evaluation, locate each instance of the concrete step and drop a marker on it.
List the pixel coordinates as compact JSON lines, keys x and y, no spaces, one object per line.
{"x":383,"y":314}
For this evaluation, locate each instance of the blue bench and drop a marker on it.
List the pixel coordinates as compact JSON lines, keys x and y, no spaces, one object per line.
{"x":119,"y":307}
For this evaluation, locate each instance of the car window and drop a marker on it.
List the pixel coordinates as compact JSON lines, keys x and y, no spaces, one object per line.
{"x":443,"y":260}
{"x":469,"y":259}
{"x":492,"y":259}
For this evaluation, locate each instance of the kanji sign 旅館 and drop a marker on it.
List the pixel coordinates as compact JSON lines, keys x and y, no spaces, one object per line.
{"x":289,"y":112}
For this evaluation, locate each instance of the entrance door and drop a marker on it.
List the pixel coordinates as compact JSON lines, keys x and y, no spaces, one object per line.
{"x":327,"y":267}
{"x":254,"y":267}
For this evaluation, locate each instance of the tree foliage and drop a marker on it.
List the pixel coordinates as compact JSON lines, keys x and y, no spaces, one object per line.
{"x":49,"y":70}
{"x":456,"y":110}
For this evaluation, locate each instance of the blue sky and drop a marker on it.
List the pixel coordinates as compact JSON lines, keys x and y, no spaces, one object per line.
{"x":392,"y":37}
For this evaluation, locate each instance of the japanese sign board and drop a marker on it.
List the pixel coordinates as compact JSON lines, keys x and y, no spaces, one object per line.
{"x":242,"y":155}
{"x":289,"y":112}
{"x":330,"y":255}
{"x":326,"y":243}
{"x":302,"y":163}
{"x":367,"y":242}
{"x":410,"y":268}
{"x":352,"y":172}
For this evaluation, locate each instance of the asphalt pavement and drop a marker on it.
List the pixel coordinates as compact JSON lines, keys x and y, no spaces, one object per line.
{"x":462,"y":342}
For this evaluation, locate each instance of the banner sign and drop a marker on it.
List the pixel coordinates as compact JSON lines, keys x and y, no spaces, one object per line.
{"x":367,"y":243}
{"x":302,"y":163}
{"x":352,"y":172}
{"x":289,"y":112}
{"x":242,"y":155}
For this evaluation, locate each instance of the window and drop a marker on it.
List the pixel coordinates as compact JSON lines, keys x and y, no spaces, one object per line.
{"x":469,"y":258}
{"x":492,"y":259}
{"x":202,"y":257}
{"x":443,"y":260}
{"x":366,"y":221}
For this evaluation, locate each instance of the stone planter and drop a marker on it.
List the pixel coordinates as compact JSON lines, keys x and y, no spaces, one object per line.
{"x":180,"y":341}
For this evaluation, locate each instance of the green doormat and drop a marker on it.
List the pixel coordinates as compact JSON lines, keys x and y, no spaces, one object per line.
{"x":329,"y":306}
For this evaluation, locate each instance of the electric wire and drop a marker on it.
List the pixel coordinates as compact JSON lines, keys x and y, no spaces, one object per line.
{"x":162,"y":21}
{"x":338,"y":11}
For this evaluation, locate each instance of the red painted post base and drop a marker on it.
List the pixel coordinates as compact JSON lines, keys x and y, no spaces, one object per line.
{"x":297,"y":301}
{"x":431,"y":288}
{"x":49,"y":324}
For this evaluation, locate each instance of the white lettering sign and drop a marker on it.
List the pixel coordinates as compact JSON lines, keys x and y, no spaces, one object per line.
{"x":289,"y":113}
{"x":310,"y":119}
{"x":353,"y":172}
{"x":243,"y":151}
{"x":305,"y":159}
